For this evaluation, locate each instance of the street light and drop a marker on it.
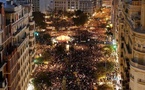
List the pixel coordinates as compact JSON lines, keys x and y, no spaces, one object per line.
{"x":111,"y":25}
{"x":30,"y":87}
{"x":114,"y":44}
{"x":36,"y":33}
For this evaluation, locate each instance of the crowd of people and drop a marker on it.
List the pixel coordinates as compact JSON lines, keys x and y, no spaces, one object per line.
{"x":76,"y":68}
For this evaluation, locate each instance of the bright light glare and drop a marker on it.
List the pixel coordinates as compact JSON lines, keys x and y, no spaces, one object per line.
{"x":114,"y":42}
{"x":63,"y":38}
{"x":30,"y":87}
{"x":67,"y":47}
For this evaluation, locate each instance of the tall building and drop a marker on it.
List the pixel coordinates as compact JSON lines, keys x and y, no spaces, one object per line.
{"x":86,"y":6}
{"x":36,"y":5}
{"x":64,"y":5}
{"x":3,"y":79}
{"x":131,"y":41}
{"x":106,"y":3}
{"x":114,"y":18}
{"x":98,"y":4}
{"x":46,"y":6}
{"x":18,"y":44}
{"x":72,"y":5}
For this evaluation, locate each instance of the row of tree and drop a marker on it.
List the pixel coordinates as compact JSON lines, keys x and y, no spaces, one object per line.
{"x":78,"y":17}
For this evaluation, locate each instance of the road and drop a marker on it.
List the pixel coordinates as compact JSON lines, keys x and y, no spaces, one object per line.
{"x":74,"y":69}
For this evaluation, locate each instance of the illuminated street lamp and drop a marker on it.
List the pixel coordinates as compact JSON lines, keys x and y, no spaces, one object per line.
{"x":36,"y":33}
{"x":30,"y":87}
{"x":114,"y":44}
{"x":107,"y":26}
{"x":67,"y":47}
{"x":111,"y":25}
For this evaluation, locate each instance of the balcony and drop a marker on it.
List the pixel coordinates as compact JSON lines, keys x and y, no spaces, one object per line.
{"x":28,"y":4}
{"x":32,"y":52}
{"x":3,"y":84}
{"x":136,"y":18}
{"x":137,"y":64}
{"x":121,"y":21}
{"x":134,"y":4}
{"x":32,"y":38}
{"x":31,"y":22}
{"x":131,"y":78}
{"x":1,"y":31}
{"x":13,"y":8}
{"x":11,"y":51}
{"x":32,"y":28}
{"x":2,"y":64}
{"x":31,"y":31}
{"x":131,"y":7}
{"x":140,"y":81}
{"x":22,"y":41}
{"x":127,"y":50}
{"x":1,"y":48}
{"x":8,"y":34}
{"x":31,"y":16}
{"x":32,"y":47}
{"x":19,"y":30}
{"x":139,"y":49}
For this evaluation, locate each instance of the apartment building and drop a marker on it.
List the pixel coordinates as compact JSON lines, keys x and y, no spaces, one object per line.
{"x":3,"y":79}
{"x":72,"y":5}
{"x":114,"y":18}
{"x":46,"y":6}
{"x":18,"y":44}
{"x":131,"y":42}
{"x":36,"y":6}
{"x":98,"y":3}
{"x":106,"y":3}
{"x":86,"y":6}
{"x":64,"y":5}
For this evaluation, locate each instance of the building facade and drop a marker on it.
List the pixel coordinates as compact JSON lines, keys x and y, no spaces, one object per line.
{"x":106,"y":3}
{"x":46,"y":6}
{"x":114,"y":18}
{"x":18,"y":44}
{"x":86,"y":6}
{"x":131,"y":42}
{"x":64,"y":5}
{"x":3,"y":79}
{"x":36,"y":5}
{"x":98,"y":4}
{"x":72,"y":5}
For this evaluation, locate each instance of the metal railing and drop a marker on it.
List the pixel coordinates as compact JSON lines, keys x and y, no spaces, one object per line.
{"x":134,"y":63}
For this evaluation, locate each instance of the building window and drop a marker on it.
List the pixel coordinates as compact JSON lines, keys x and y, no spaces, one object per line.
{"x":131,"y":77}
{"x":139,"y":45}
{"x":141,"y":81}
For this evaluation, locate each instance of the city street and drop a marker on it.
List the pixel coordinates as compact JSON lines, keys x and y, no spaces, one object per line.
{"x":81,"y":58}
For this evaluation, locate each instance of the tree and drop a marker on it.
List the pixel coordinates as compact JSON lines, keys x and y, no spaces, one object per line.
{"x":39,"y":60}
{"x":68,"y":14}
{"x":42,"y":81}
{"x":47,"y":56}
{"x":47,"y":38}
{"x":108,"y":49}
{"x":39,"y":19}
{"x":60,"y":49}
{"x":80,"y":19}
{"x":78,"y":12}
{"x":103,"y":68}
{"x":56,"y":22}
{"x":108,"y":33}
{"x":104,"y":87}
